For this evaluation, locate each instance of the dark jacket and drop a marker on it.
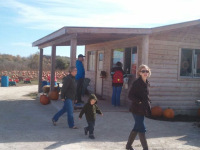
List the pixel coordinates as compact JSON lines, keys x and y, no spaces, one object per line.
{"x":90,"y":111}
{"x":112,"y":73}
{"x":139,"y":92}
{"x":80,"y":70}
{"x":68,"y":90}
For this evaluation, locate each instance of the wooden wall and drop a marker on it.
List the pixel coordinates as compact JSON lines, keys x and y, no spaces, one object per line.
{"x":167,"y":90}
{"x":107,"y":47}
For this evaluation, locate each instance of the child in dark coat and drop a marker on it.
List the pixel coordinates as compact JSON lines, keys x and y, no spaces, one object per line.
{"x":90,"y":109}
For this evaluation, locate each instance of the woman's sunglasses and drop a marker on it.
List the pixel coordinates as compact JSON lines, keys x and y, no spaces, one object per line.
{"x":143,"y":71}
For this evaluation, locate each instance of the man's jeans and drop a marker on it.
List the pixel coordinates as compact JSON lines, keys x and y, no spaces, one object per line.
{"x":68,"y":107}
{"x":116,"y":95}
{"x":90,"y":127}
{"x":79,"y":89}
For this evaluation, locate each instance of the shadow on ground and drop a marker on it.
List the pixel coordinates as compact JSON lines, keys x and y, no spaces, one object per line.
{"x":29,"y":121}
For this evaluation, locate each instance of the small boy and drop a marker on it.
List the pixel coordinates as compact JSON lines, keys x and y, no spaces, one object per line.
{"x":90,"y":109}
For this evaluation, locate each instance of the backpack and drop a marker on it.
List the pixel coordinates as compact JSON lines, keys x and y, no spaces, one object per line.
{"x":118,"y":77}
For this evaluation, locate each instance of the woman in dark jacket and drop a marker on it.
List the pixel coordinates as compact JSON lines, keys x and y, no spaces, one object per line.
{"x":140,"y":107}
{"x":68,"y":93}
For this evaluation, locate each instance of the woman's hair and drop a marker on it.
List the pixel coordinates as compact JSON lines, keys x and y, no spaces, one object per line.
{"x":119,"y":64}
{"x":71,"y":69}
{"x":141,"y":67}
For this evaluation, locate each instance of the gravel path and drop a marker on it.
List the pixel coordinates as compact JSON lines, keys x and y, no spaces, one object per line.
{"x":26,"y":125}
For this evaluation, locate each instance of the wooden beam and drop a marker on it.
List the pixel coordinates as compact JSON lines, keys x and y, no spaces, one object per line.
{"x":73,"y":52}
{"x":58,"y":41}
{"x":71,"y":30}
{"x":51,"y":36}
{"x":145,"y":49}
{"x":40,"y":72}
{"x":53,"y":58}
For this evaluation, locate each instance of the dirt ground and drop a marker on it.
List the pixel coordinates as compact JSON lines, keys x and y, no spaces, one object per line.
{"x":26,"y":125}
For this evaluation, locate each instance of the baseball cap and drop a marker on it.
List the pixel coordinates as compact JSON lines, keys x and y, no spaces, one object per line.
{"x":80,"y":55}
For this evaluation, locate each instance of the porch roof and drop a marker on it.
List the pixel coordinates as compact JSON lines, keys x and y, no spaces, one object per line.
{"x":88,"y":35}
{"x":91,"y":35}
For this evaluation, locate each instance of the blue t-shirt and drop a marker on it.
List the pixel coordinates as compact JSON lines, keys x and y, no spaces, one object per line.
{"x":81,"y":70}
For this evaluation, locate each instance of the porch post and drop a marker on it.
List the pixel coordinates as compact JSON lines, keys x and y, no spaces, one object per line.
{"x":145,"y":49}
{"x":73,"y":52}
{"x":53,"y":58}
{"x":40,"y":72}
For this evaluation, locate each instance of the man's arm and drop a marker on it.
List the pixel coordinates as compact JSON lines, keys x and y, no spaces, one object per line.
{"x":65,"y":86}
{"x":82,"y":111}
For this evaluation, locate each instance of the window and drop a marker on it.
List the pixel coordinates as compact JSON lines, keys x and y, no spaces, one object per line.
{"x":128,"y":58}
{"x":134,"y":60}
{"x":100,"y":63}
{"x":118,"y":55}
{"x":91,"y":61}
{"x":190,"y":63}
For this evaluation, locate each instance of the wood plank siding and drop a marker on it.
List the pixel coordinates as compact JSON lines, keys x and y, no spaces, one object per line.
{"x":163,"y":59}
{"x":108,"y":47}
{"x":166,"y":88}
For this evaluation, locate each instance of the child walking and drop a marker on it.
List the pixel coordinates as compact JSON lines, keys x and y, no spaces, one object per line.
{"x":90,"y":109}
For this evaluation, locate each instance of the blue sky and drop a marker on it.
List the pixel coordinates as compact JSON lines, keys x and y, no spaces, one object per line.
{"x":25,"y":21}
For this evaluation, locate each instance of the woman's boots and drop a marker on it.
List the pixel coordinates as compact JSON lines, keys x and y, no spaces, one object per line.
{"x":143,"y":141}
{"x":130,"y":140}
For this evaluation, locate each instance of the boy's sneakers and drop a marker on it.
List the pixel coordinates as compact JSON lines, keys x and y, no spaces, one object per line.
{"x":86,"y":131}
{"x":54,"y":122}
{"x":91,"y":136}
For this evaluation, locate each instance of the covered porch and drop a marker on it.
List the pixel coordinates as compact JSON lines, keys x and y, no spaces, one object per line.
{"x":78,"y":36}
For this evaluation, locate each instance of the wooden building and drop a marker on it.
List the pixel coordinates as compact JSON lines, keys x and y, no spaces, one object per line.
{"x":172,"y":52}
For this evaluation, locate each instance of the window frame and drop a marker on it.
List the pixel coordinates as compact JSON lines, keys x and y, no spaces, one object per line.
{"x":88,"y":69}
{"x":185,"y":78}
{"x":111,"y":66}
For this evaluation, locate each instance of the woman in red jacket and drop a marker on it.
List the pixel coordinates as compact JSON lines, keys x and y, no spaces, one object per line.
{"x":140,"y":107}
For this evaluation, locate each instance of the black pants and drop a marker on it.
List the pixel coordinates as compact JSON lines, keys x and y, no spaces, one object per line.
{"x":79,"y":89}
{"x":90,"y":127}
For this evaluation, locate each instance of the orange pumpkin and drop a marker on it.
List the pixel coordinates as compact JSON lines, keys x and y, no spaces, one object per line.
{"x":169,"y":113}
{"x":53,"y":95}
{"x":156,"y":111}
{"x":42,"y":95}
{"x":44,"y":100}
{"x":199,"y":112}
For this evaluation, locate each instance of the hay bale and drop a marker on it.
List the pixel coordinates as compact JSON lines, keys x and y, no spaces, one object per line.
{"x":46,"y":88}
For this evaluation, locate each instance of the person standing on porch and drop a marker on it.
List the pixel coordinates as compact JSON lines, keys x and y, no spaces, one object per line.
{"x":117,"y":75}
{"x":80,"y":77}
{"x":140,"y":107}
{"x":68,"y":93}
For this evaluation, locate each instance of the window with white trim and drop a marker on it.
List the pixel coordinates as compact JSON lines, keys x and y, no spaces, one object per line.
{"x":128,"y":57}
{"x":190,"y":63}
{"x":91,"y":61}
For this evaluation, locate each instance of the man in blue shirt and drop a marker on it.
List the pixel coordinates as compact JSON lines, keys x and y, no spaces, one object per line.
{"x":80,"y":77}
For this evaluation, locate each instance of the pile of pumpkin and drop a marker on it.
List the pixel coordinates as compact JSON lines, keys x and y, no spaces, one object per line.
{"x":158,"y":112}
{"x":45,"y":99}
{"x":168,"y":113}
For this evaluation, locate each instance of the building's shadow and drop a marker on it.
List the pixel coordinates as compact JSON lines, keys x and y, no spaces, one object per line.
{"x":29,"y":121}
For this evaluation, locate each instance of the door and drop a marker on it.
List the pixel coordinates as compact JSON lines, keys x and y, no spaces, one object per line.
{"x":100,"y":59}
